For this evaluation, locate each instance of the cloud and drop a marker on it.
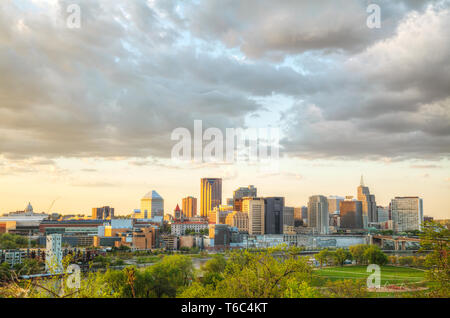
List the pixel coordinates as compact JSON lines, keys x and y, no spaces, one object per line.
{"x":136,"y":70}
{"x":274,"y":29}
{"x":392,"y":100}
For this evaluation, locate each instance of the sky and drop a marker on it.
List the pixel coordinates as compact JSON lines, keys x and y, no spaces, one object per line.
{"x":87,"y":113}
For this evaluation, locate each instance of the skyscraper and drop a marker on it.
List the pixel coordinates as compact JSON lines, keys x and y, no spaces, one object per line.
{"x":383,"y":213}
{"x":351,"y":214}
{"x":369,"y":205}
{"x":189,"y":207}
{"x":301,"y":214}
{"x":273,"y":216}
{"x":210,"y":195}
{"x":333,"y":204}
{"x":254,"y":207}
{"x":152,"y":204}
{"x":407,"y":213}
{"x":318,"y":218}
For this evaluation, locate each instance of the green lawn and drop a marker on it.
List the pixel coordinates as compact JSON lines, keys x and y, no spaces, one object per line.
{"x":390,"y":275}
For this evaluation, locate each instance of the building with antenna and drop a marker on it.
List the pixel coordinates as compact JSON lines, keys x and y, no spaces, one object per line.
{"x":369,"y":205}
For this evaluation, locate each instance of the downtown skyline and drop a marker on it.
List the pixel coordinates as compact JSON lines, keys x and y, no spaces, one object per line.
{"x":168,"y":209}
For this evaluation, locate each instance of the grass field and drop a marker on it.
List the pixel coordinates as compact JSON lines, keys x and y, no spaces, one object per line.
{"x":390,"y":275}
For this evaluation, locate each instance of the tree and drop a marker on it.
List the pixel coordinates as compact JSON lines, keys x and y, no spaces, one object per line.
{"x":213,"y":270}
{"x":12,"y":241}
{"x":374,"y":255}
{"x":435,"y":238}
{"x":296,"y":289}
{"x":165,"y":278}
{"x":262,"y":274}
{"x":341,"y":255}
{"x":357,"y":252}
{"x":323,"y":256}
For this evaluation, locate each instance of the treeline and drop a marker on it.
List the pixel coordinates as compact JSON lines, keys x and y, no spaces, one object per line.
{"x":13,"y":241}
{"x":362,"y":254}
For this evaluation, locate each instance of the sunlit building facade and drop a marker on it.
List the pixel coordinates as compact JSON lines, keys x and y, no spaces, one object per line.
{"x":369,"y":206}
{"x":152,"y":204}
{"x":254,"y":207}
{"x":407,"y":213}
{"x":318,"y":216}
{"x":210,"y":195}
{"x":189,"y":207}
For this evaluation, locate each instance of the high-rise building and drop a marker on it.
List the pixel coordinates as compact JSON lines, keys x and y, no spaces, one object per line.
{"x":288,"y":220}
{"x":189,"y":207}
{"x":210,"y":195}
{"x":368,"y":204}
{"x":288,"y":216}
{"x":103,"y":213}
{"x":245,"y":192}
{"x":301,"y":214}
{"x":273,"y":218}
{"x":407,"y":213}
{"x":53,"y":253}
{"x":333,"y":204}
{"x":152,"y":204}
{"x":318,"y":218}
{"x":351,"y":214}
{"x":254,"y":207}
{"x":239,"y":220}
{"x":383,"y":214}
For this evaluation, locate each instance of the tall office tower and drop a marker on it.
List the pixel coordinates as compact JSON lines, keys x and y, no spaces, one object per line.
{"x":318,"y":217}
{"x":351,"y":214}
{"x":210,"y":195}
{"x":407,"y":213}
{"x":189,"y":207}
{"x":288,"y":216}
{"x":254,"y":207}
{"x":53,"y":254}
{"x":245,"y":192}
{"x":333,"y":204}
{"x":103,"y":213}
{"x":273,"y":216}
{"x":300,"y":215}
{"x":368,"y":204}
{"x":383,"y":213}
{"x":152,"y":204}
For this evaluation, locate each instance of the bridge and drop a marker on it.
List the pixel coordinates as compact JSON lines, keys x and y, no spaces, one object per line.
{"x":399,"y":241}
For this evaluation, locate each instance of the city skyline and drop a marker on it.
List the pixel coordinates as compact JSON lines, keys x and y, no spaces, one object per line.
{"x":169,"y":209}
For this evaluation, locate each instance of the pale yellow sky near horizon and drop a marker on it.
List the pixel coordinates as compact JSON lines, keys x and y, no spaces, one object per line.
{"x":81,"y":184}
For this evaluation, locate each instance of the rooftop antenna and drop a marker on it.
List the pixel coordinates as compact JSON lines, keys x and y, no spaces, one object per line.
{"x":362,"y":181}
